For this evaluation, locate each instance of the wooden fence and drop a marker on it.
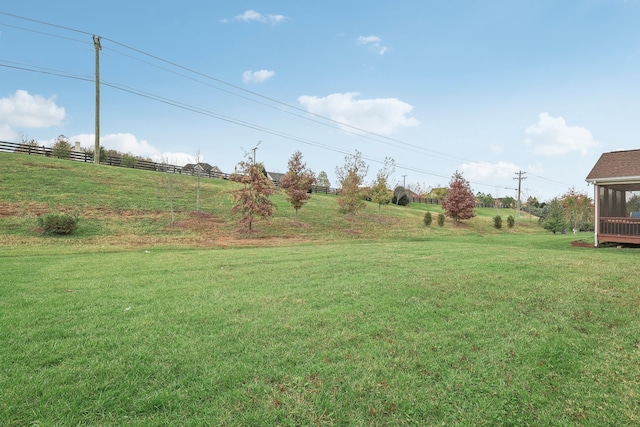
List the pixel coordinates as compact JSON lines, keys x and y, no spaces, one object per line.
{"x":121,"y":161}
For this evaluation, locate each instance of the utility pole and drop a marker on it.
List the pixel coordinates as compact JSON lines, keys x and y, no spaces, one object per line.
{"x":254,"y":151}
{"x":520,"y":178}
{"x":96,"y":149}
{"x":404,"y":182}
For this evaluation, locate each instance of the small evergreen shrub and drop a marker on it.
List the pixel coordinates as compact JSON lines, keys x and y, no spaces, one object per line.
{"x":427,"y":219}
{"x":55,"y":223}
{"x":497,"y":222}
{"x":441,"y":219}
{"x":511,"y":221}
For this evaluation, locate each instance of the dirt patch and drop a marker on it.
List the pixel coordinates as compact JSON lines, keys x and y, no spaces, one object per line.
{"x":24,"y":209}
{"x":581,"y":244}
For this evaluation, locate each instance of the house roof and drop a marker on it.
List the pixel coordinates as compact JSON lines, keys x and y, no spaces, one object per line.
{"x":206,"y":167}
{"x":616,"y":166}
{"x":276,"y":176}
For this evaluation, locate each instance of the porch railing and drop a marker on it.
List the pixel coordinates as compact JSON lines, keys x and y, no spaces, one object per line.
{"x":620,"y":226}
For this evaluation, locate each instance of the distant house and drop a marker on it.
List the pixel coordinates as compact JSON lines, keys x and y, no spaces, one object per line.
{"x":276,"y":177}
{"x":204,"y":169}
{"x":614,"y":175}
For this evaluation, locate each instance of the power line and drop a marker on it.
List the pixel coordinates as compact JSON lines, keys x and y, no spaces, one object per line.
{"x":45,"y":23}
{"x":42,"y":33}
{"x":360,"y":132}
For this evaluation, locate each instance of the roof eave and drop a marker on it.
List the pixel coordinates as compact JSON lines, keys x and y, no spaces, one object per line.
{"x":616,"y":180}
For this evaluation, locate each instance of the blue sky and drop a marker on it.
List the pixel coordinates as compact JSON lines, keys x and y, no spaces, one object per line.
{"x":489,"y":88}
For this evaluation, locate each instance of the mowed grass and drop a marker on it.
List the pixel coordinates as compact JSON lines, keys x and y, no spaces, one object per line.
{"x":455,"y":330}
{"x":132,"y":321}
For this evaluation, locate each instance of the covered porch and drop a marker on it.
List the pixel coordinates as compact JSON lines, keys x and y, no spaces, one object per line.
{"x":615,"y":177}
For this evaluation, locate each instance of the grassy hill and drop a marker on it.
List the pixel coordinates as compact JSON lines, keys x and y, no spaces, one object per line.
{"x":134,"y":322}
{"x":120,"y":206}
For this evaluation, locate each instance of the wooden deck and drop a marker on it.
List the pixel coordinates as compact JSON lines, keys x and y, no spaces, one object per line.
{"x":619,"y":230}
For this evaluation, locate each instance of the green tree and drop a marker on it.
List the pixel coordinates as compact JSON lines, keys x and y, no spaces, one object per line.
{"x":252,"y":200}
{"x":380,"y":192}
{"x":553,"y":216}
{"x":351,"y":176}
{"x":439,"y":193}
{"x":460,"y":201}
{"x":62,"y":147}
{"x":400,"y":196}
{"x":633,"y":204}
{"x":485,"y":200}
{"x":297,"y":182}
{"x":128,"y":160}
{"x":428,"y":218}
{"x":322,"y":180}
{"x":509,"y":202}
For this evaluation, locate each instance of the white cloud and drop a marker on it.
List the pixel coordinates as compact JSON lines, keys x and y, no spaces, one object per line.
{"x":379,"y":115}
{"x":252,"y":15}
{"x":552,"y":136}
{"x":374,"y":43}
{"x":30,"y":111}
{"x":6,"y":133}
{"x":257,"y":76}
{"x":178,"y":159}
{"x":485,"y":170}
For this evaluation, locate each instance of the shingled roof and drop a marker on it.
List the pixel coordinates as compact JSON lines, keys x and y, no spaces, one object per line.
{"x":616,"y":166}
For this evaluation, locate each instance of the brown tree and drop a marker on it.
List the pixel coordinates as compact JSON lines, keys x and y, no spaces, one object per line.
{"x":252,"y":200}
{"x":460,"y":201}
{"x":351,"y":176}
{"x":297,"y":182}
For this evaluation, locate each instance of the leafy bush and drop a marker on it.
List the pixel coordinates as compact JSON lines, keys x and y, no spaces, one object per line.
{"x":427,"y":219}
{"x":497,"y":222}
{"x":62,"y":148}
{"x":441,"y":219}
{"x":511,"y":221}
{"x":400,"y":197}
{"x":55,"y":223}
{"x":128,"y":161}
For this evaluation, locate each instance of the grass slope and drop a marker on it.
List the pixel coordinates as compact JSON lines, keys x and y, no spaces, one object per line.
{"x":128,"y":207}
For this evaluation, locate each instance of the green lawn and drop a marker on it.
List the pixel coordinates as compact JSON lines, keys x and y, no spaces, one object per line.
{"x":504,"y":329}
{"x":133,"y":322}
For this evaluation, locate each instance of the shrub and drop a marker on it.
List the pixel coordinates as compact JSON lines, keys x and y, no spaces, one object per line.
{"x":511,"y":221}
{"x":427,"y":219}
{"x":400,"y":197}
{"x":441,"y":219}
{"x":62,"y":148}
{"x":55,"y":223}
{"x":497,"y":222}
{"x":127,"y":160}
